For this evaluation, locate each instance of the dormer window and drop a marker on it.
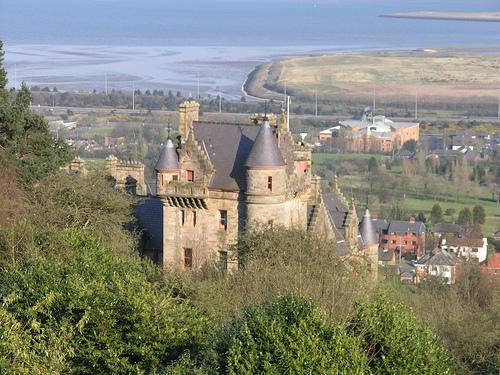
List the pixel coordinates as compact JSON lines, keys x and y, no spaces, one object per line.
{"x":270,"y":183}
{"x":190,"y":176}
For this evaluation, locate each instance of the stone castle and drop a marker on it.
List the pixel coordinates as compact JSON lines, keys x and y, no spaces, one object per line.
{"x":219,"y":179}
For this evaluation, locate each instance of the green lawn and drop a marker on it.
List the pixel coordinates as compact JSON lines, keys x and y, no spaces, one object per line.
{"x":101,"y":131}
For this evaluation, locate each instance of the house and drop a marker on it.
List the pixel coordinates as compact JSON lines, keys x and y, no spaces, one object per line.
{"x":438,"y":263}
{"x":443,"y":229}
{"x":470,"y":244}
{"x":407,"y":272}
{"x":404,"y":236}
{"x":386,"y":257}
{"x":220,"y":179}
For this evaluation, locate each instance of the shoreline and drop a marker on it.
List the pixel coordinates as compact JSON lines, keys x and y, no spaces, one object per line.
{"x":444,"y":16}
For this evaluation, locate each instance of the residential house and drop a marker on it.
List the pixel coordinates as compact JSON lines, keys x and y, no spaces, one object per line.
{"x":470,"y":244}
{"x":438,"y":263}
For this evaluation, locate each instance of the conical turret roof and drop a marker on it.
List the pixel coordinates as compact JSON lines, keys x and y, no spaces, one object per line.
{"x":168,"y":160}
{"x":367,"y":230}
{"x":265,"y":151}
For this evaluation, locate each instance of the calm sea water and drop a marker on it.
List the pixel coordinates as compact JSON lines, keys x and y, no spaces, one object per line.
{"x":174,"y":44}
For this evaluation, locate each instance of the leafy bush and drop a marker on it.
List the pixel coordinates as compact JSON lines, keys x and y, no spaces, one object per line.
{"x":91,"y":310}
{"x":287,"y":336}
{"x":396,"y":342}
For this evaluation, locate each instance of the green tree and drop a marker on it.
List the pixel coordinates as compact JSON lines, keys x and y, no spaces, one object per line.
{"x":372,"y":164}
{"x":421,"y":217}
{"x":410,"y":145}
{"x":436,"y":214}
{"x":3,"y":73}
{"x":478,"y":214}
{"x":286,"y":336}
{"x":26,"y":135}
{"x":464,"y":216}
{"x":396,"y":342}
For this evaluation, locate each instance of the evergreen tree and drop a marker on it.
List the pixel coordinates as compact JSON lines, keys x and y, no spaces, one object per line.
{"x":464,"y":216}
{"x":26,"y":135}
{"x":372,"y":164}
{"x":3,"y":73}
{"x":436,"y":214}
{"x":478,"y":214}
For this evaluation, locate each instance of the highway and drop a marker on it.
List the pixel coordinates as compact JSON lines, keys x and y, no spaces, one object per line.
{"x":64,"y":110}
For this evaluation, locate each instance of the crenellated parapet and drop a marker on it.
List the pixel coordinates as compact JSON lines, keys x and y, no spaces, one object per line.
{"x":128,"y":174}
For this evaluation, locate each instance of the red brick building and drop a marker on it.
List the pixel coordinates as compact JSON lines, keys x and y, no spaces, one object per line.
{"x":404,"y":236}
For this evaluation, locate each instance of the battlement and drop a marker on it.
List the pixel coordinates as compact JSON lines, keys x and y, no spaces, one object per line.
{"x":128,"y":174}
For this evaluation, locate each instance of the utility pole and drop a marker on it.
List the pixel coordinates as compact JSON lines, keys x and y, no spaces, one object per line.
{"x":498,"y":111}
{"x":133,"y":96}
{"x":288,"y":112}
{"x":316,"y":103}
{"x":220,"y":101}
{"x":416,"y":105}
{"x":285,"y":91}
{"x":198,"y":87}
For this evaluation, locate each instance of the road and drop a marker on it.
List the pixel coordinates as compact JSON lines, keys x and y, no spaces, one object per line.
{"x":63,"y":110}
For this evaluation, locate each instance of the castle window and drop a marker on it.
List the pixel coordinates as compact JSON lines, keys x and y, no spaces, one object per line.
{"x":190,"y":176}
{"x":223,"y":220}
{"x":188,"y":258}
{"x":223,"y":260}
{"x":175,"y":177}
{"x":194,"y":218}
{"x":270,"y":183}
{"x":183,"y":217}
{"x":162,"y":180}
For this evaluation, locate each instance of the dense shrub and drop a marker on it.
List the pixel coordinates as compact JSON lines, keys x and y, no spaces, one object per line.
{"x":396,"y":342}
{"x":287,"y":336}
{"x":92,"y":310}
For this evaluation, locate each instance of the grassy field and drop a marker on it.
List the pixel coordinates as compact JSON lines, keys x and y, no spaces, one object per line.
{"x":448,"y":82}
{"x":414,"y":202}
{"x":431,"y":73}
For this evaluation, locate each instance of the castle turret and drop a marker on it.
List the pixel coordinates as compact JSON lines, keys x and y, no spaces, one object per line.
{"x":167,"y":167}
{"x":370,"y":242}
{"x":266,"y":178}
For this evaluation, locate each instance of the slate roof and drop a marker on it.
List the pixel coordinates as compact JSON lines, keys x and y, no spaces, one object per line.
{"x":227,"y":146}
{"x":367,"y":230}
{"x":168,"y":160}
{"x":401,"y":227}
{"x":381,"y":225}
{"x":447,"y":228}
{"x":337,"y":210}
{"x":438,"y":258}
{"x":265,"y":151}
{"x":385,"y":255}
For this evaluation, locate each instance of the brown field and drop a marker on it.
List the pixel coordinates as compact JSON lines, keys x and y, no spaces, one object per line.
{"x":427,"y":72}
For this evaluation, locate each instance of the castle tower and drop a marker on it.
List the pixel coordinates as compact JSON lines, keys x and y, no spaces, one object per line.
{"x":370,"y":243}
{"x":189,"y":111}
{"x":167,"y":167}
{"x":351,"y":226}
{"x":266,"y":180}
